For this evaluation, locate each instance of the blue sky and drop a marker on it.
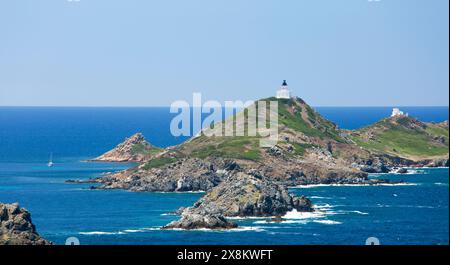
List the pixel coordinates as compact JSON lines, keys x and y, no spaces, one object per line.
{"x":151,"y":53}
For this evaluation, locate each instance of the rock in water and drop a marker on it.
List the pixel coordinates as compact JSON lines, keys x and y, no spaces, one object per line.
{"x":251,"y":195}
{"x":133,"y":149}
{"x":402,"y":170}
{"x":241,"y":195}
{"x":192,"y":218}
{"x":16,"y":227}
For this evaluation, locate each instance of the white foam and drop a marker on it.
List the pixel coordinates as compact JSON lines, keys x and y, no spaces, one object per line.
{"x":398,"y":184}
{"x":294,"y":214}
{"x":101,"y":233}
{"x":295,"y":222}
{"x":151,"y":228}
{"x":133,"y":230}
{"x":323,"y":206}
{"x":327,"y":222}
{"x":262,"y":222}
{"x":249,"y":217}
{"x":404,"y":206}
{"x":180,"y":192}
{"x":238,"y":229}
{"x":352,"y":185}
{"x":358,"y":212}
{"x":410,"y":171}
{"x":246,"y":228}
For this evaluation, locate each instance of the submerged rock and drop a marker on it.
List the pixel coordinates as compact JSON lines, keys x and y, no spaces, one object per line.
{"x":16,"y":227}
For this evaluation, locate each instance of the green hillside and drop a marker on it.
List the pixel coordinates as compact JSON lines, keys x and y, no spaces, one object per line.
{"x":404,"y":137}
{"x":295,"y":116}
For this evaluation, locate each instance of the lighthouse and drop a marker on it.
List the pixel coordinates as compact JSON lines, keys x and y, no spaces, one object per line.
{"x":283,"y":92}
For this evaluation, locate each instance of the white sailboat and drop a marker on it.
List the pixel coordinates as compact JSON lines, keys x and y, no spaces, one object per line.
{"x":50,"y":162}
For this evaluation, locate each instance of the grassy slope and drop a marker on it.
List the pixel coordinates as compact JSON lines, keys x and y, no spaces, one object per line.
{"x":314,"y":126}
{"x":247,"y":147}
{"x":144,"y":150}
{"x":395,"y":137}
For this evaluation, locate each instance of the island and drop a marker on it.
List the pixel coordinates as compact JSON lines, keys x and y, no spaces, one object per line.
{"x":241,"y":178}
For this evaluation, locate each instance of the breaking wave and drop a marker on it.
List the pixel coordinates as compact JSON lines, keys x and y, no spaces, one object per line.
{"x":352,"y":185}
{"x":101,"y":233}
{"x":327,"y":222}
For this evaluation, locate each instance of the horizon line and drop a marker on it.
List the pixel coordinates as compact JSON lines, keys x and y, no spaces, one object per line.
{"x":168,"y":106}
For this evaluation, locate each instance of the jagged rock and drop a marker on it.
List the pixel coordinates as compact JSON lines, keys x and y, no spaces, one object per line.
{"x":193,"y":219}
{"x":401,"y":170}
{"x":133,"y":149}
{"x":290,"y":148}
{"x":230,"y":165}
{"x":187,"y":174}
{"x":240,"y":195}
{"x":444,"y":162}
{"x":275,"y":151}
{"x":16,"y":227}
{"x":378,"y":168}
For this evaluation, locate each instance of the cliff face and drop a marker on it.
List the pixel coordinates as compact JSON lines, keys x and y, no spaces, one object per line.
{"x":16,"y":227}
{"x":186,"y":174}
{"x":133,"y":149}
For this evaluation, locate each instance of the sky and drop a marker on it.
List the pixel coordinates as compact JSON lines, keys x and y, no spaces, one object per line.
{"x":152,"y":53}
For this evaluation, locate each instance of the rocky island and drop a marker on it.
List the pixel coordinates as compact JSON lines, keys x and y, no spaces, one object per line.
{"x":133,"y":149}
{"x":240,"y":195}
{"x":243,"y":179}
{"x":16,"y":227}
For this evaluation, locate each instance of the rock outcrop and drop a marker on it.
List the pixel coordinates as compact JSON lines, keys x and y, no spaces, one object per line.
{"x":193,"y":218}
{"x":240,"y":195}
{"x":133,"y":149}
{"x":188,"y":174}
{"x":16,"y":227}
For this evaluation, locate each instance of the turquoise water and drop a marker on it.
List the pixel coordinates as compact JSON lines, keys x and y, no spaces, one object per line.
{"x":416,"y":213}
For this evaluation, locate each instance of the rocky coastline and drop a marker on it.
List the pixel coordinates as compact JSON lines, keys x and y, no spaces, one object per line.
{"x":16,"y":227}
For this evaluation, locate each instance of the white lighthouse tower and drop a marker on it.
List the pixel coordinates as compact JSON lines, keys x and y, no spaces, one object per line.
{"x":283,"y":92}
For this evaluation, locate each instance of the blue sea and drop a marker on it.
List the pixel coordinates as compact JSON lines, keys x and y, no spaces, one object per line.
{"x":415,"y":213}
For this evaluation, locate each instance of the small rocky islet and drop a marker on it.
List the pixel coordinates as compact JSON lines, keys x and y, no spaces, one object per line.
{"x":133,"y":149}
{"x":239,"y":195}
{"x":242,"y":179}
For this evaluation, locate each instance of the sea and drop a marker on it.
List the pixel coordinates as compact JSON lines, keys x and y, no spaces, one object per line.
{"x":413,"y":213}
